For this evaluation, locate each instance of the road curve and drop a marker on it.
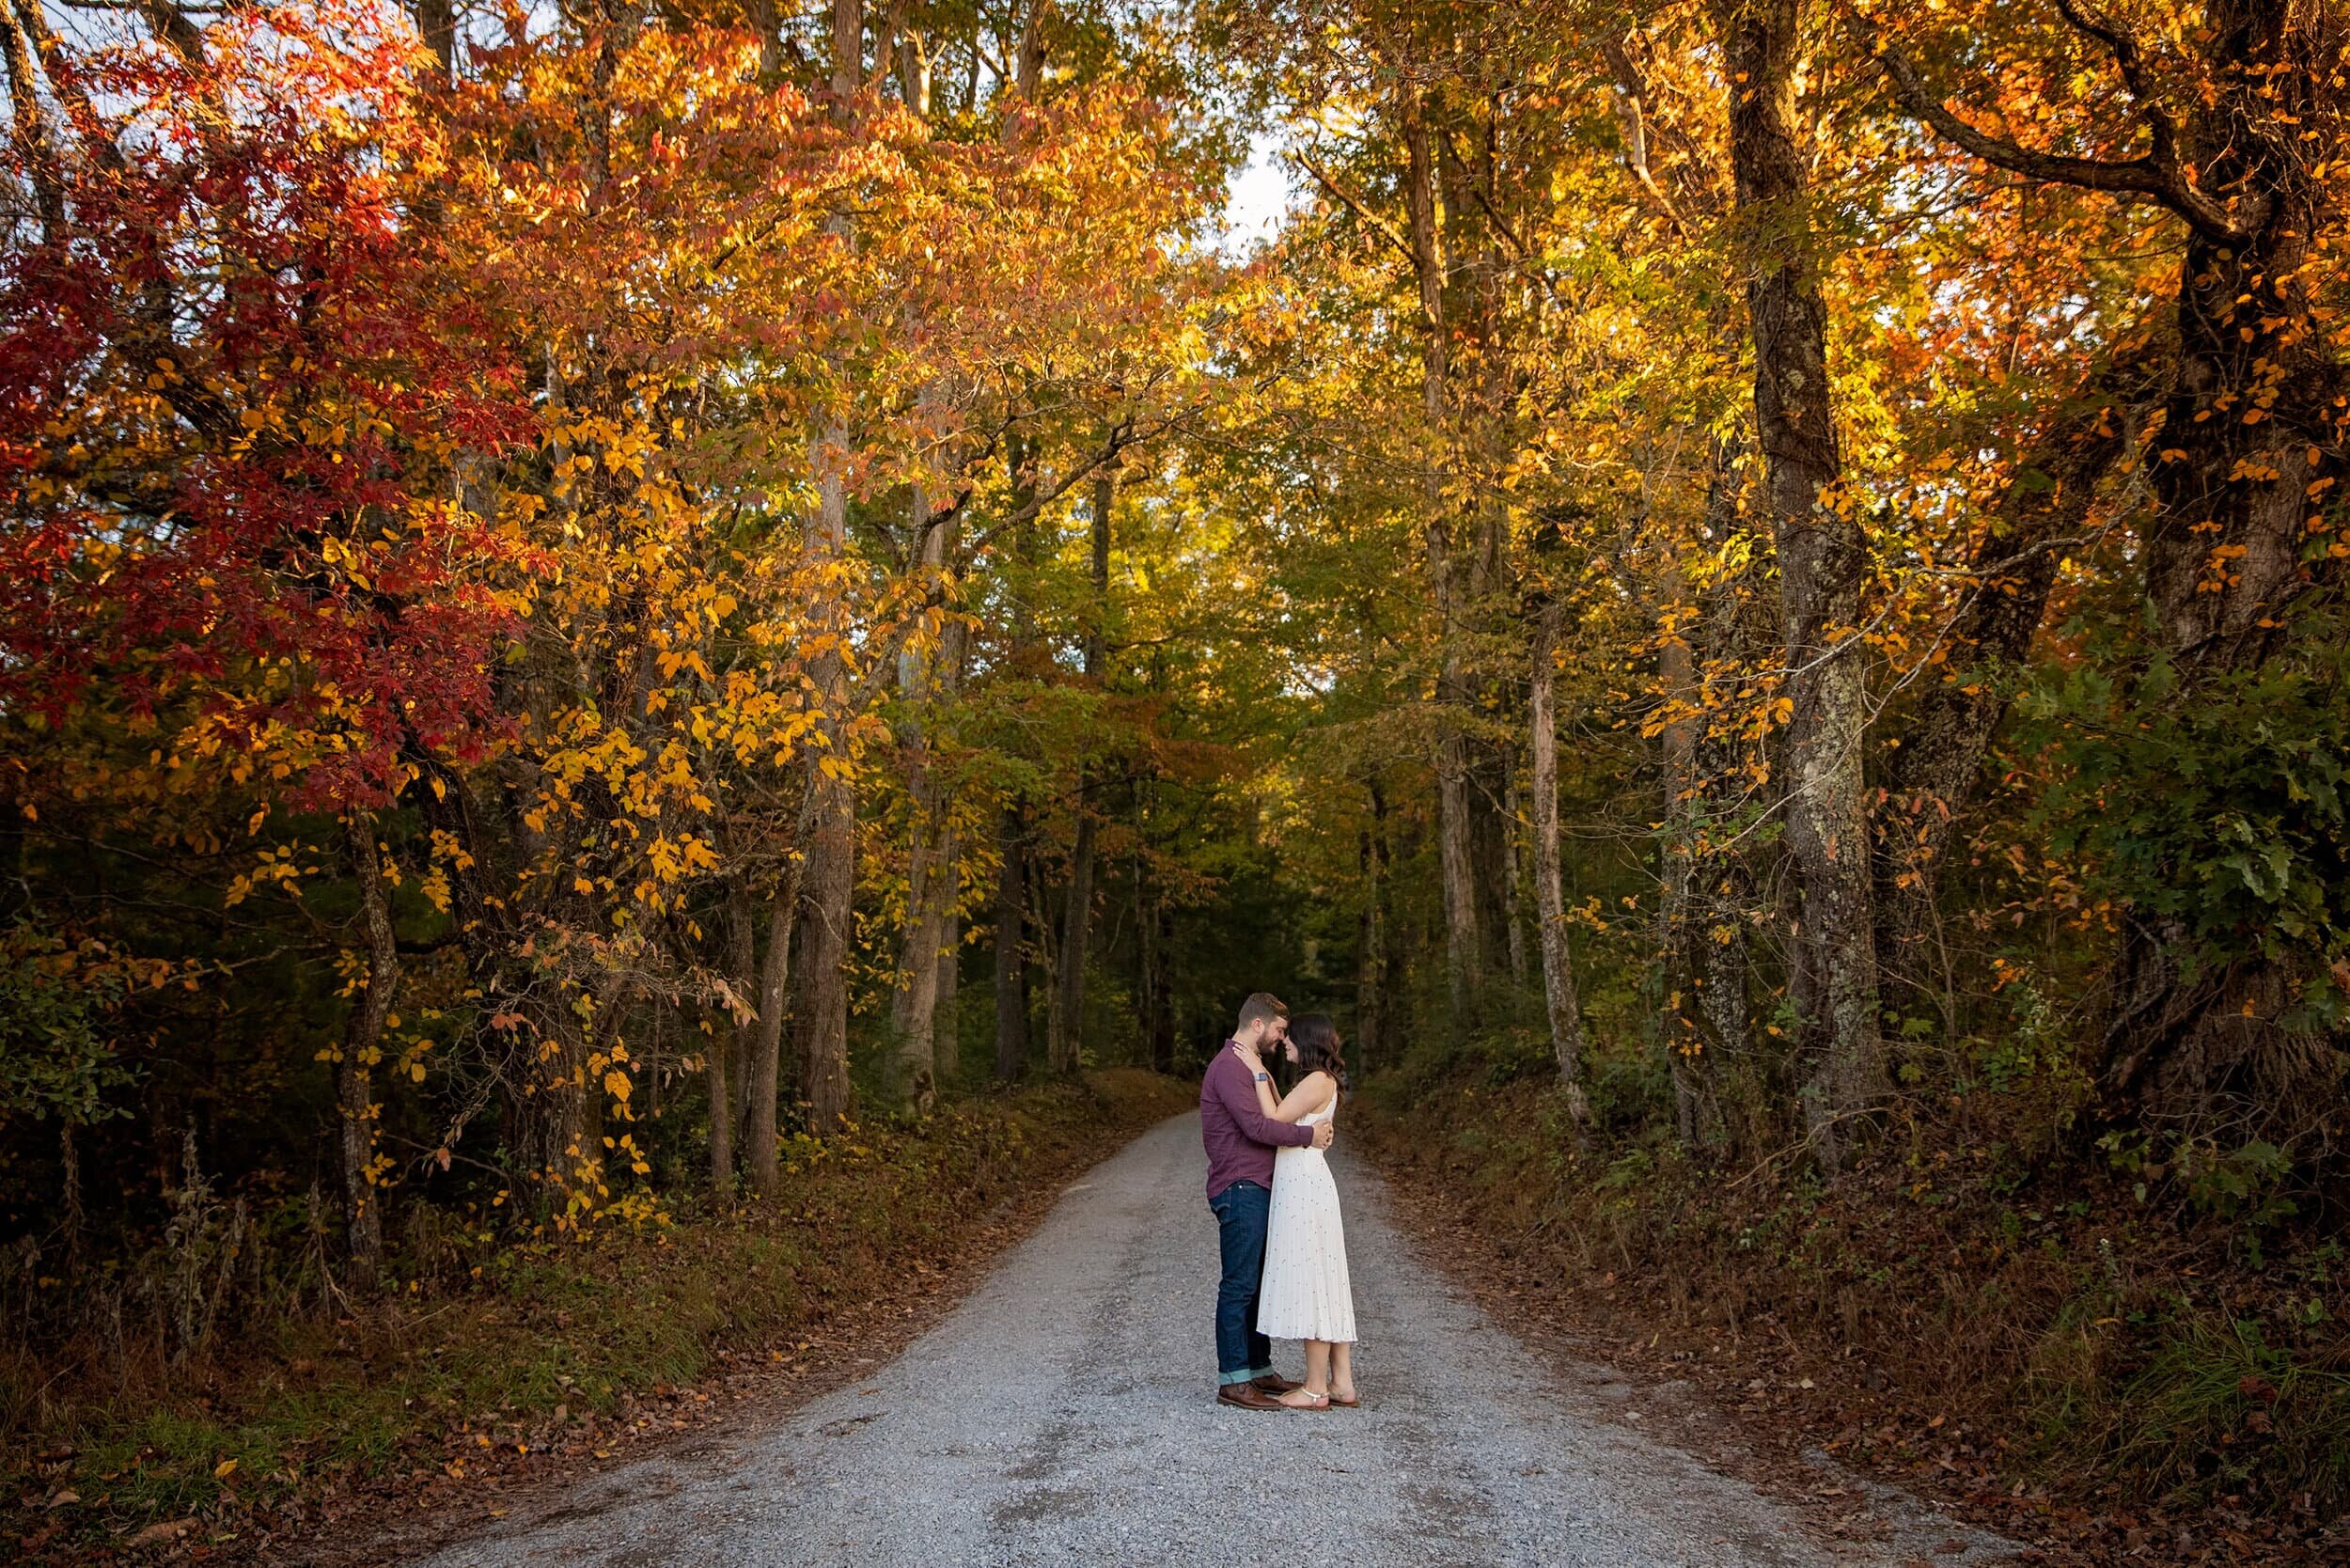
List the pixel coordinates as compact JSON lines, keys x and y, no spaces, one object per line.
{"x":1064,"y":1414}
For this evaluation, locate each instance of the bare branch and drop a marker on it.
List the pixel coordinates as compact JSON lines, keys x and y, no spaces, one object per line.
{"x":2158,"y":176}
{"x":1378,"y":225}
{"x":1501,"y":225}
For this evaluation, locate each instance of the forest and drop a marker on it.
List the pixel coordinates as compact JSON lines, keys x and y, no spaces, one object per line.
{"x":604,"y":604}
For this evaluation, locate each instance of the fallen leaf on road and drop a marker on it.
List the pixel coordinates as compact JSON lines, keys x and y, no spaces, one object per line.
{"x":161,"y":1533}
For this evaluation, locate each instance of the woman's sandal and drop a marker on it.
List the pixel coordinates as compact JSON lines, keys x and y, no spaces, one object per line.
{"x":1313,"y":1400}
{"x":1347,"y":1403}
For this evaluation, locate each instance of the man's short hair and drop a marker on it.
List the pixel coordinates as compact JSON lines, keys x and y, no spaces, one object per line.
{"x":1261,"y":1007}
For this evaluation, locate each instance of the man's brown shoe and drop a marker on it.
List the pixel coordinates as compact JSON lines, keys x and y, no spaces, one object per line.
{"x":1248,"y":1396}
{"x":1274,"y":1383}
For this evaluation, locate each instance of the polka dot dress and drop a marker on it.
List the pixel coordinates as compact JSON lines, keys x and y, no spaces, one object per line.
{"x":1305,"y":1294}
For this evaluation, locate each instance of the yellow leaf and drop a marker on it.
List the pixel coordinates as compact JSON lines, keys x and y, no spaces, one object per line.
{"x":221,"y":1471}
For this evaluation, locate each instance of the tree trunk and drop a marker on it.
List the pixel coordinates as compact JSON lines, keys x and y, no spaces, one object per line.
{"x":825,"y":914}
{"x":761,"y":1089}
{"x":725,"y":1069}
{"x":1012,"y":974}
{"x":436,"y":22}
{"x":1684,"y":792}
{"x":1823,"y":561}
{"x":363,"y":1044}
{"x":913,"y":1008}
{"x":1147,"y":966}
{"x":1514,"y":892}
{"x":819,"y":999}
{"x":1464,"y":956}
{"x":1077,"y":922}
{"x":1370,"y":996}
{"x":1566,"y":1017}
{"x":946,"y":1019}
{"x":1706,"y":900}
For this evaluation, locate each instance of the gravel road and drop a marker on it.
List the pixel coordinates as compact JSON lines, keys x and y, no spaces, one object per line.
{"x":1064,"y":1414}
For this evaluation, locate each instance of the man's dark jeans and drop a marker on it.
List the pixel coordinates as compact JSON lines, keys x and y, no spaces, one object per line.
{"x":1241,"y":1353}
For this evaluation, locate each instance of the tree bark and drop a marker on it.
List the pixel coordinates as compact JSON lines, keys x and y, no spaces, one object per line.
{"x":363,"y":1044}
{"x":1823,"y":561}
{"x":1559,"y":994}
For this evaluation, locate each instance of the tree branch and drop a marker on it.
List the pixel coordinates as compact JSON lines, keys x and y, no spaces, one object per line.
{"x":1379,"y":225}
{"x":2158,"y":176}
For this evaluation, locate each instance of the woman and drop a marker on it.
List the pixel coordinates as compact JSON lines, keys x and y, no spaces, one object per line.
{"x":1305,"y":1294}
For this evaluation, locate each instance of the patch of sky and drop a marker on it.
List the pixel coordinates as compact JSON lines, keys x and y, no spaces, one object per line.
{"x":1258,"y":197}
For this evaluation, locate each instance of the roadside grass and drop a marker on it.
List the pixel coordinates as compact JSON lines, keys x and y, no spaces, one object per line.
{"x":527,"y":1345}
{"x":2040,"y":1335}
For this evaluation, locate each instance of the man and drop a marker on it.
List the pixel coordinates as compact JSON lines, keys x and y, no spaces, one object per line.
{"x":1240,"y":1141}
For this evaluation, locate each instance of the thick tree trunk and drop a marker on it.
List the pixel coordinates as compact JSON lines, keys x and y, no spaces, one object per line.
{"x":1558,"y":995}
{"x":1012,"y":972}
{"x":363,"y":1044}
{"x":1823,"y":561}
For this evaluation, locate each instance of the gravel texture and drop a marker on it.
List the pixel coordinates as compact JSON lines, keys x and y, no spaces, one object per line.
{"x":1065,"y":1414}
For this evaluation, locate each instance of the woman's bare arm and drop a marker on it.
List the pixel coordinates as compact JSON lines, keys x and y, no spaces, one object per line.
{"x":1312,"y":1093}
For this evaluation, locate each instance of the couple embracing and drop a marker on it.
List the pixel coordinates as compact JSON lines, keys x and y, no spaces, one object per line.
{"x":1276,"y":1212}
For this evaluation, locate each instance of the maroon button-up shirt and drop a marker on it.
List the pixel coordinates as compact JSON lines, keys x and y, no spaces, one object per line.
{"x":1240,"y":1138}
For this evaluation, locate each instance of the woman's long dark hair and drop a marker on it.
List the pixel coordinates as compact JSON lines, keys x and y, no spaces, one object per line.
{"x":1318,"y":1043}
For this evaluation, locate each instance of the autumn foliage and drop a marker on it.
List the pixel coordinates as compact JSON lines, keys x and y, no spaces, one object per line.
{"x":593,"y":602}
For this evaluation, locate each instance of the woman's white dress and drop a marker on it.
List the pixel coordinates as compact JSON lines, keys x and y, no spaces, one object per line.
{"x":1304,"y":1293}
